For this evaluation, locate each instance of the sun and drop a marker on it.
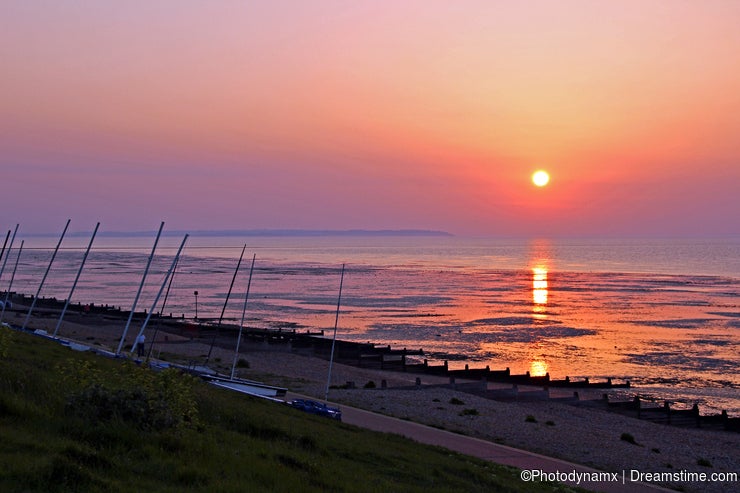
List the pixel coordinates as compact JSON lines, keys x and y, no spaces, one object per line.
{"x":540,"y":178}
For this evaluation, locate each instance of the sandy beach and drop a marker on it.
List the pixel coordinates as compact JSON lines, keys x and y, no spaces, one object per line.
{"x":582,"y":435}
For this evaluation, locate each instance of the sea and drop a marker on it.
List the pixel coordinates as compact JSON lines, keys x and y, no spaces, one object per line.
{"x":663,"y":314}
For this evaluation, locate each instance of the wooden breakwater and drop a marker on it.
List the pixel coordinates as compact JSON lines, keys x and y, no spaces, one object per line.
{"x":360,"y":354}
{"x":384,"y":357}
{"x":505,"y":376}
{"x":637,"y":408}
{"x":667,"y":414}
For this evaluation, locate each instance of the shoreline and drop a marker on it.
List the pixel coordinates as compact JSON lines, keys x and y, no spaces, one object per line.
{"x":620,"y":393}
{"x":576,"y":433}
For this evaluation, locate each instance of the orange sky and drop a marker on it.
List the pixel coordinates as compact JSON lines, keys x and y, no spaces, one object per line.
{"x":377,"y":115}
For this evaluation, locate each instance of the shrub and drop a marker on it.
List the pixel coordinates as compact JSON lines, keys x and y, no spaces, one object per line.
{"x":704,"y":463}
{"x":6,"y":338}
{"x":627,"y":437}
{"x":550,"y":423}
{"x":469,"y":412}
{"x":457,"y":402}
{"x":369,"y":385}
{"x":135,"y":395}
{"x":530,"y":419}
{"x":242,"y":363}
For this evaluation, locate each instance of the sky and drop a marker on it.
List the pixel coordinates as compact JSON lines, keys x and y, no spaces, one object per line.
{"x":372,"y":115}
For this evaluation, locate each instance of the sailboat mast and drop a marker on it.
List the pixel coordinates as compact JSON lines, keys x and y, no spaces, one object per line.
{"x":161,"y":310}
{"x":138,"y":293}
{"x":2,"y":269}
{"x":48,"y":268}
{"x":161,"y":289}
{"x":241,"y":324}
{"x":77,"y":278}
{"x":334,"y":339}
{"x":12,"y":277}
{"x":226,"y":302}
{"x":2,"y":252}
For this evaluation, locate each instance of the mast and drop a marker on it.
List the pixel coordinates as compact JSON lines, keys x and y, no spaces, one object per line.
{"x":48,"y":268}
{"x":161,"y":310}
{"x":77,"y":278}
{"x":226,"y":302}
{"x":156,"y":299}
{"x":138,"y":293}
{"x":12,"y":277}
{"x":241,"y":324}
{"x":2,"y":269}
{"x":2,"y":252}
{"x":334,"y":339}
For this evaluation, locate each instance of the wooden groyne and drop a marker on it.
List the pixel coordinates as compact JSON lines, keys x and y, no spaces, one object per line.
{"x":360,"y":354}
{"x":505,"y":376}
{"x":667,"y":414}
{"x":383,"y":357}
{"x":637,"y":408}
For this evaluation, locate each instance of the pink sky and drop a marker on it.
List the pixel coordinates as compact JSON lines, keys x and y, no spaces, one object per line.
{"x":375,"y":115}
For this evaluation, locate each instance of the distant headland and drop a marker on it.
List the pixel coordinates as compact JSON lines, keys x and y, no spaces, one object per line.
{"x":275,"y":232}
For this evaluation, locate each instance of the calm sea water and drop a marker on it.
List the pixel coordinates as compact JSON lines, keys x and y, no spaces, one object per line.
{"x":664,"y":314}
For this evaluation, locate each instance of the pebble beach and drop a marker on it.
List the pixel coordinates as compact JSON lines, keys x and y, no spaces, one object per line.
{"x":582,"y":435}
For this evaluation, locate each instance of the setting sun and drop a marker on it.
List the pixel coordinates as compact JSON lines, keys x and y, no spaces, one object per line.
{"x":540,"y":178}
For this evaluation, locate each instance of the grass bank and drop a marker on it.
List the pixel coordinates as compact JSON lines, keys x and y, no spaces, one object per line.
{"x":72,"y":421}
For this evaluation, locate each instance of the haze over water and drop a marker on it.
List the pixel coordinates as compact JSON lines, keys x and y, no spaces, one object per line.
{"x":664,"y":314}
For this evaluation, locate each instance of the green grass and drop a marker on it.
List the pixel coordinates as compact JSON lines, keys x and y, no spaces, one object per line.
{"x":196,"y":437}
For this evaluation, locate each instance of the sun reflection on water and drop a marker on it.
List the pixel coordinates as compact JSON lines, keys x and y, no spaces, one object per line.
{"x":538,"y":368}
{"x":539,"y":290}
{"x":540,"y":261}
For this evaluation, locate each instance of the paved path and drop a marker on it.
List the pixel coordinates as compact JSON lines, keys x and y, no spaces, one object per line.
{"x":500,"y":454}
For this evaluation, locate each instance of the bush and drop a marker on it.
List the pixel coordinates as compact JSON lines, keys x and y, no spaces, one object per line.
{"x":628,"y":438}
{"x":139,"y":396}
{"x":530,"y":419}
{"x":6,"y":338}
{"x":469,"y":412}
{"x":457,"y":402}
{"x":704,"y":463}
{"x":369,"y":385}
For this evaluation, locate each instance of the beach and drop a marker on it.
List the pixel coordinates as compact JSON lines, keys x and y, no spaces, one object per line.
{"x":587,"y":436}
{"x":667,"y":323}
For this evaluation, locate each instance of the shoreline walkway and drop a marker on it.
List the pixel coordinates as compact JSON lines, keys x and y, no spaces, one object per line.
{"x":482,"y":449}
